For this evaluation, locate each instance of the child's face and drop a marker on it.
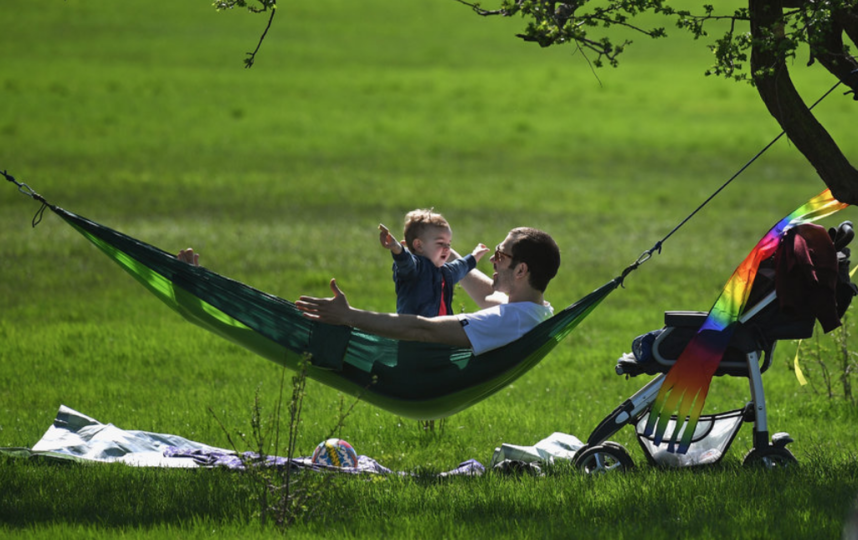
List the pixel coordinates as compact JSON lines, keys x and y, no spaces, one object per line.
{"x":434,"y":244}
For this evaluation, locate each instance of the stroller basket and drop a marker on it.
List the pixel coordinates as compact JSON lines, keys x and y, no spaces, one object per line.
{"x":711,"y":440}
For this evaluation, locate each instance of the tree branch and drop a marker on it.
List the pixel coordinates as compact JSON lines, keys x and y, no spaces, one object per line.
{"x":785,"y":104}
{"x":248,"y":62}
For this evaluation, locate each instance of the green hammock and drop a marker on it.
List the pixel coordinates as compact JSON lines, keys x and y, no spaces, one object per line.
{"x":415,"y":380}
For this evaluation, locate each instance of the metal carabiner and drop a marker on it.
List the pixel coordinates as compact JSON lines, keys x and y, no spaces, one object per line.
{"x":644,"y":257}
{"x":26,"y":190}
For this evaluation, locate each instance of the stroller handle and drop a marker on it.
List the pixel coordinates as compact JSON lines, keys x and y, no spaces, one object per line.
{"x":843,"y":235}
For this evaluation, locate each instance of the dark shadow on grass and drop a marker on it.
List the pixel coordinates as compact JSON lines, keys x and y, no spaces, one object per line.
{"x":38,"y":492}
{"x":725,"y":500}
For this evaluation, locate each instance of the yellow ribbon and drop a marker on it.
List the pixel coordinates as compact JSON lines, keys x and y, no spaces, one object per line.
{"x":798,"y":374}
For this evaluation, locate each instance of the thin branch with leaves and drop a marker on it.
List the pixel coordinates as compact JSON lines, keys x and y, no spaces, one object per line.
{"x":266,"y":6}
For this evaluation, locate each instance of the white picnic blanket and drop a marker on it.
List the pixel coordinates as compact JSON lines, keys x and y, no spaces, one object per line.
{"x":79,"y":436}
{"x":76,"y":436}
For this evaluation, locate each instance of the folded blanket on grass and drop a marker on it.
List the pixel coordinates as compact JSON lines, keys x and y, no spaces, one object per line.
{"x":512,"y":458}
{"x":77,"y":437}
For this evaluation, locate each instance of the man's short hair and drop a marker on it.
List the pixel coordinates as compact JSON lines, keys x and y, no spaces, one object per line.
{"x":417,"y":221}
{"x":539,"y":251}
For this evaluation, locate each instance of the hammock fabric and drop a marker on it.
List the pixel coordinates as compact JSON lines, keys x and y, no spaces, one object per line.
{"x":415,"y":380}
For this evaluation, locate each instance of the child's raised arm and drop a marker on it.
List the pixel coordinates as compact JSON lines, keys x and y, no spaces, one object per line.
{"x":479,"y":251}
{"x":388,"y":241}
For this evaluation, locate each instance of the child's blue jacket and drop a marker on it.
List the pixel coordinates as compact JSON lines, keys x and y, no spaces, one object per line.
{"x":418,"y":282}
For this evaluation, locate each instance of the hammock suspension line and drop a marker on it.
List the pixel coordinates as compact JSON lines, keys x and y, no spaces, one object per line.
{"x":645,"y":256}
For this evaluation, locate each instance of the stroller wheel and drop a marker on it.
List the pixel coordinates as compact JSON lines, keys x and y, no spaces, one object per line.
{"x":603,"y":458}
{"x":770,"y":457}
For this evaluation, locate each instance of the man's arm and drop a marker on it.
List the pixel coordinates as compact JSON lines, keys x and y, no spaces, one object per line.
{"x":336,"y":310}
{"x":479,"y":287}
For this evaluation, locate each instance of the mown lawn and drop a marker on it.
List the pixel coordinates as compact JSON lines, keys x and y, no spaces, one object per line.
{"x":142,"y":117}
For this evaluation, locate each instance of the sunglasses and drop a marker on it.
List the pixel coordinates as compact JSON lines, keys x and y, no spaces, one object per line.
{"x":500,"y":254}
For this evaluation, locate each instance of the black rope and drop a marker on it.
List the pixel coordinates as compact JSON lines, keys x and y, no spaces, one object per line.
{"x":28,"y":191}
{"x":39,"y":214}
{"x":645,"y":256}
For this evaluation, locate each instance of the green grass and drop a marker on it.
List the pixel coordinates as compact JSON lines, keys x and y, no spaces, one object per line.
{"x":141,"y":117}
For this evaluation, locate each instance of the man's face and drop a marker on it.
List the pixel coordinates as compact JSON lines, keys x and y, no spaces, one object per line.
{"x":503,"y":267}
{"x":434,"y":244}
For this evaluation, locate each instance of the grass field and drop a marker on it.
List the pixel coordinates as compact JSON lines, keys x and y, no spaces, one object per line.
{"x":141,"y":116}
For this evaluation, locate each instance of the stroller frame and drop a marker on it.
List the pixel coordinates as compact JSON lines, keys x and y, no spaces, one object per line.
{"x":601,"y":455}
{"x":749,"y":354}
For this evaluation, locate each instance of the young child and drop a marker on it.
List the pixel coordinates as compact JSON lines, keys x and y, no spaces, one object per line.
{"x":423,"y":275}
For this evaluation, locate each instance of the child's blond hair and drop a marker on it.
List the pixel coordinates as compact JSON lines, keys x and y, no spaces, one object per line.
{"x":417,"y":221}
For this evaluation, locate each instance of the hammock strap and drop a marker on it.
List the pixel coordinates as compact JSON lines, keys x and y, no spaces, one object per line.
{"x":645,"y":256}
{"x":28,"y":191}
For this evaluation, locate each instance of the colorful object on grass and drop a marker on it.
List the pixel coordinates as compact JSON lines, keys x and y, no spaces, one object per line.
{"x":686,"y":385}
{"x":335,"y":453}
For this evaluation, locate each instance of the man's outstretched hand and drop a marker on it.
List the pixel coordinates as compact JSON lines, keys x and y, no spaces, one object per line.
{"x":333,"y":310}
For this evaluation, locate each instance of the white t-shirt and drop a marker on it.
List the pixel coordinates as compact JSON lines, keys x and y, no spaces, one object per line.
{"x":496,"y":326}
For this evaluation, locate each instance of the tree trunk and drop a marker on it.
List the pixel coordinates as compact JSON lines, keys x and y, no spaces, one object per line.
{"x":784,"y":103}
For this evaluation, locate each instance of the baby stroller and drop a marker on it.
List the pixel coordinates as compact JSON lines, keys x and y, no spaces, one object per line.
{"x":765,"y":320}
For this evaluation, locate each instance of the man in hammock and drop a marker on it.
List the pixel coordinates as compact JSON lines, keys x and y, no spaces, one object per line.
{"x":523,"y":265}
{"x":511,"y":301}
